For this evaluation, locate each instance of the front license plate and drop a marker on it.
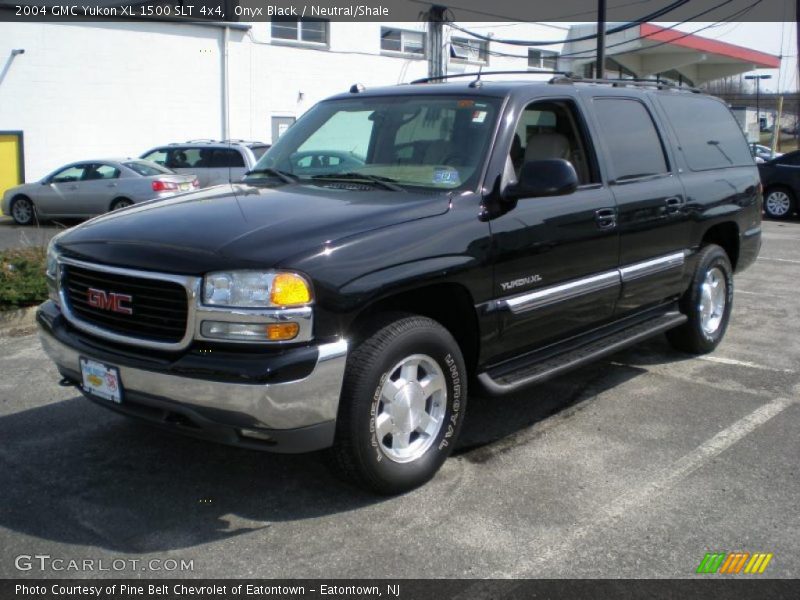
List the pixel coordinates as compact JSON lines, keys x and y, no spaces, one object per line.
{"x":101,"y":380}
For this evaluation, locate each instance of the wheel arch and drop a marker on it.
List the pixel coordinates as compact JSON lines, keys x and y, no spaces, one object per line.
{"x":448,"y":303}
{"x":725,"y":235}
{"x":117,"y":199}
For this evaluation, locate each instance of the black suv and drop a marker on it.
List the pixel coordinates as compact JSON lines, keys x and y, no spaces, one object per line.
{"x":492,"y":234}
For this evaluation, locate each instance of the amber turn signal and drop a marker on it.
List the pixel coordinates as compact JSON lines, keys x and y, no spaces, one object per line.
{"x":280,"y":332}
{"x":289,"y":289}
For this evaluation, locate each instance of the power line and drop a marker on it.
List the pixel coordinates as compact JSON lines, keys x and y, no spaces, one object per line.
{"x":625,"y":26}
{"x":737,"y":14}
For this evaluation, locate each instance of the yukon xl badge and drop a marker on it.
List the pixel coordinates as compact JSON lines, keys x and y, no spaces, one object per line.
{"x":510,"y":285}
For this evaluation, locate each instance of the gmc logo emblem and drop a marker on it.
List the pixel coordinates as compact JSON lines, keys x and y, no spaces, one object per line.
{"x":119,"y":303}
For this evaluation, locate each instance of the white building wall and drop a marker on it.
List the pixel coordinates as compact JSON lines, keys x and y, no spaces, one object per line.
{"x":94,"y":90}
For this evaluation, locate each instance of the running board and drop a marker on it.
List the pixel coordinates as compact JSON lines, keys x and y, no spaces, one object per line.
{"x":512,"y":376}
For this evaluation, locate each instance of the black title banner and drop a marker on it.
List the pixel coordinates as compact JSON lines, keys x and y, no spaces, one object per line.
{"x":405,"y":589}
{"x":398,"y":10}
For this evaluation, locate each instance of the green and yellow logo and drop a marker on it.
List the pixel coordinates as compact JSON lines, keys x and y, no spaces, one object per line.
{"x":734,"y":563}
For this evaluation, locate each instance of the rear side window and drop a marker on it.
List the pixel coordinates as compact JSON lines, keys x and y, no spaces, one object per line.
{"x":631,"y":138}
{"x":707,"y":132}
{"x":227,"y":158}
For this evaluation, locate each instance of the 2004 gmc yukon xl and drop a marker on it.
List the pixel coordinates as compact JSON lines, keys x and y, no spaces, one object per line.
{"x":493,"y":234}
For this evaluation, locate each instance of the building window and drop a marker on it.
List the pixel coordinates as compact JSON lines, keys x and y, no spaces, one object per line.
{"x":542,"y":59}
{"x":469,"y":50}
{"x":400,"y":40}
{"x":312,"y":31}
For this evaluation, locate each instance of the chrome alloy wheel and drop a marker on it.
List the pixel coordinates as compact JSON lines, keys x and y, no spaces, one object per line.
{"x":411,"y":408}
{"x":713,"y":297}
{"x":22,"y":211}
{"x":778,"y":203}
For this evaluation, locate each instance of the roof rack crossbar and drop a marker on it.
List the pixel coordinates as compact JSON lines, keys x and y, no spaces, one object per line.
{"x":480,"y":74}
{"x":622,"y":81}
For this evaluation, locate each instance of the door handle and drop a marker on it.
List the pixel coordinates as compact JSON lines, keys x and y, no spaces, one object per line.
{"x":112,"y":185}
{"x":674,"y":204}
{"x":606,"y":218}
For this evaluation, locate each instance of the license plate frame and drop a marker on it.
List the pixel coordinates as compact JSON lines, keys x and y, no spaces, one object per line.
{"x":101,"y":380}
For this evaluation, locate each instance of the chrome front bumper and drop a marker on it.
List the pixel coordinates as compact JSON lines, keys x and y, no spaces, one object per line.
{"x":306,"y":402}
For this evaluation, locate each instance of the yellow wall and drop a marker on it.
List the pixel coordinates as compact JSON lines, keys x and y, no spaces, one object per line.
{"x":9,"y":162}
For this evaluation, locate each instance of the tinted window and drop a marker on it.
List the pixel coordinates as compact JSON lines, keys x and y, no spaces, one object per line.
{"x":631,"y":138}
{"x":69,"y":174}
{"x":100,"y":172}
{"x":258,"y":151}
{"x":227,"y":158}
{"x":157,"y":156}
{"x":189,"y":158}
{"x":790,"y":159}
{"x":707,"y":132}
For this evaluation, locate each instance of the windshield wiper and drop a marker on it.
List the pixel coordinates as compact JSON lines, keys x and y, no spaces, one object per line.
{"x":282,"y":175}
{"x":385,"y":182}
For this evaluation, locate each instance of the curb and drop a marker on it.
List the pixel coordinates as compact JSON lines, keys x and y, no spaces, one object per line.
{"x":13,"y":321}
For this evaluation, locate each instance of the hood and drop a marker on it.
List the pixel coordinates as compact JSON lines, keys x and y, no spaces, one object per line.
{"x":240,"y":226}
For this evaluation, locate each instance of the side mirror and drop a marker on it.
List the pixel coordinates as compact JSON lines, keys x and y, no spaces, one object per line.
{"x":551,"y":177}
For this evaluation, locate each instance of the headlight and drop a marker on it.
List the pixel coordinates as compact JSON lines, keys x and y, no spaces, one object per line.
{"x":256,"y":289}
{"x":51,"y":270}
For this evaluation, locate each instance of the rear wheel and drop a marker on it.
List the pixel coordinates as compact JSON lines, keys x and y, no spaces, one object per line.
{"x":120,"y":203}
{"x":779,"y":203}
{"x":402,"y":404}
{"x":707,"y":303}
{"x":22,"y":211}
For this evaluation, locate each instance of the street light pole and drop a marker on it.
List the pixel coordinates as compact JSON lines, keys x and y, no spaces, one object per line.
{"x":758,"y":79}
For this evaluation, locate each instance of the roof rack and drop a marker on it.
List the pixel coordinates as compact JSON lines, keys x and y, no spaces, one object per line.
{"x":238,"y":141}
{"x":202,"y":140}
{"x":479,"y":74}
{"x":622,"y":82}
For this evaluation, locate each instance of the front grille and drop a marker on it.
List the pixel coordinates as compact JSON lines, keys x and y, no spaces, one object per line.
{"x":159,"y":309}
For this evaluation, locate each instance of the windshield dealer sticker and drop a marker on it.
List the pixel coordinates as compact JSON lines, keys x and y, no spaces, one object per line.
{"x":479,"y":116}
{"x":446,"y":177}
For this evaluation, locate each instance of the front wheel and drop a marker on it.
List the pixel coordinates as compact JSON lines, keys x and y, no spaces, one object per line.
{"x":402,"y":405}
{"x":22,"y":211}
{"x":707,"y":303}
{"x":778,"y":203}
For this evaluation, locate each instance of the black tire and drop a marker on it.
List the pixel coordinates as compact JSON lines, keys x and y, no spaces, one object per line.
{"x":691,"y":337}
{"x":359,"y":455}
{"x":779,"y":203}
{"x":120,"y":203}
{"x":23,"y":211}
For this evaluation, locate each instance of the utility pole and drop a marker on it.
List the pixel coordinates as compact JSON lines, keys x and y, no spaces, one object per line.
{"x":601,"y":39}
{"x":435,"y":40}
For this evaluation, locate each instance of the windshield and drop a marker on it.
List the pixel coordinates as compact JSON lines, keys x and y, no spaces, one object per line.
{"x":420,"y":141}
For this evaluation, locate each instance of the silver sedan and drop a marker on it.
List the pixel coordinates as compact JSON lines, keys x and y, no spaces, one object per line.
{"x":88,"y":188}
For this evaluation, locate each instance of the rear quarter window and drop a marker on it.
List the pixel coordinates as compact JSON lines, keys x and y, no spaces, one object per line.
{"x":707,"y":132}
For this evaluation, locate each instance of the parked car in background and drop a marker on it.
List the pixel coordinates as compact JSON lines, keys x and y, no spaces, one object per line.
{"x":781,"y":180}
{"x":92,"y":187}
{"x":214,"y":162}
{"x":315,"y":162}
{"x":763,"y":153}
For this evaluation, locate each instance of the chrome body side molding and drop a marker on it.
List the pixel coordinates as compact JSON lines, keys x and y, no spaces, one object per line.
{"x":521,"y":303}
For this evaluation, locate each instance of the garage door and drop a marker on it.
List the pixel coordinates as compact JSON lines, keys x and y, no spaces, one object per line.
{"x":11,"y":169}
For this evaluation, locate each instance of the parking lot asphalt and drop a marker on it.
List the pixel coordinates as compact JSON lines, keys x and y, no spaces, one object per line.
{"x":635,"y":466}
{"x":15,"y":236}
